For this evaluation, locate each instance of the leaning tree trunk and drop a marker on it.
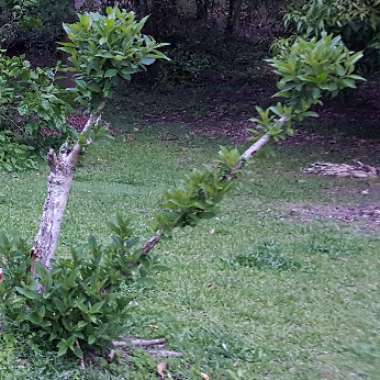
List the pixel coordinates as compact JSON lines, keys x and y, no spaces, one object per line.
{"x":60,"y":180}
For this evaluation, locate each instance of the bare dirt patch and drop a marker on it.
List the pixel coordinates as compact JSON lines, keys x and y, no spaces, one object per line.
{"x":355,"y":170}
{"x":364,"y":216}
{"x":214,"y":112}
{"x":358,"y":111}
{"x":219,"y":109}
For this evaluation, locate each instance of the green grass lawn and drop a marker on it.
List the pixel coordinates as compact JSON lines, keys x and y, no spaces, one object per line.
{"x":232,"y":319}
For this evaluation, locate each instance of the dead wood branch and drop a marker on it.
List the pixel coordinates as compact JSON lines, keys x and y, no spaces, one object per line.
{"x":154,"y":347}
{"x":138,"y":342}
{"x":151,"y":243}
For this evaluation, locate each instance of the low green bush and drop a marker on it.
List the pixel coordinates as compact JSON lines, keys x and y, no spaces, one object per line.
{"x":33,"y":111}
{"x":83,"y":302}
{"x":267,"y":256}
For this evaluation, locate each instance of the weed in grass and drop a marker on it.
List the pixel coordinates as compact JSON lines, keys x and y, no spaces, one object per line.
{"x":264,"y":256}
{"x":333,"y":246}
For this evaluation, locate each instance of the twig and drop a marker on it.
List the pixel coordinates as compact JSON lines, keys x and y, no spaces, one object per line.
{"x":138,"y":342}
{"x":151,"y":243}
{"x":153,"y":347}
{"x":164,"y":354}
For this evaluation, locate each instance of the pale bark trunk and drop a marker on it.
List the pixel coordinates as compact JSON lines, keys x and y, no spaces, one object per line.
{"x":60,"y":180}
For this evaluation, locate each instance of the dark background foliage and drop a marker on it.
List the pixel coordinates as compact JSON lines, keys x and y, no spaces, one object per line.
{"x":192,"y":27}
{"x":209,"y":39}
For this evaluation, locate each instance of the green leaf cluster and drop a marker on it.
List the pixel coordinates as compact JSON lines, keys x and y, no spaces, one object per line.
{"x":308,"y":69}
{"x":33,"y":112}
{"x":85,"y":299}
{"x":277,"y":121}
{"x":311,"y":68}
{"x":314,"y":17}
{"x":102,"y":48}
{"x":198,"y":195}
{"x":30,"y":102}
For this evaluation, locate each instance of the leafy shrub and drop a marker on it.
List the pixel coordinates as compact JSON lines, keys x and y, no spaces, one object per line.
{"x":85,"y":298}
{"x":14,"y":156}
{"x":33,"y":112}
{"x":33,"y":25}
{"x":356,"y":21}
{"x":315,"y":17}
{"x":267,"y":255}
{"x":30,"y":101}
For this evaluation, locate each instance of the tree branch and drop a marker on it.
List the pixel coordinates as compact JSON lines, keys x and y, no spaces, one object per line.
{"x":246,"y":156}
